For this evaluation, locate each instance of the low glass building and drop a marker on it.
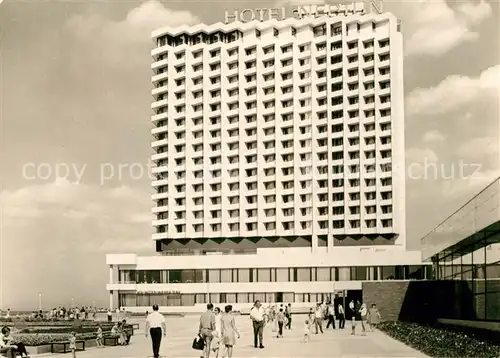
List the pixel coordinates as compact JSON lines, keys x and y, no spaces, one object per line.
{"x":466,"y":247}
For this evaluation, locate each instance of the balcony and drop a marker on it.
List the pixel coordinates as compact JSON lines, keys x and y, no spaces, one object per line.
{"x":159,"y":209}
{"x":159,"y":117}
{"x":160,"y":103}
{"x":159,"y":196}
{"x":159,"y":64}
{"x":159,"y":143}
{"x":159,"y":77}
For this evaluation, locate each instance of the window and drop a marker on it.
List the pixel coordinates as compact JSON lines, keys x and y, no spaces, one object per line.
{"x":303,"y":274}
{"x":226,"y":275}
{"x":264,"y":275}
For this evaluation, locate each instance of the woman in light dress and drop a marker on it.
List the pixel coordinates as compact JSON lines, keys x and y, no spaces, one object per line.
{"x":72,"y":344}
{"x":99,"y":337}
{"x":374,"y":317}
{"x":229,"y":331}
{"x":217,"y":334}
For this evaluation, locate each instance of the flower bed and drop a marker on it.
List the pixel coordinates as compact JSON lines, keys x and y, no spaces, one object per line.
{"x":23,"y":323}
{"x":42,"y":339}
{"x":441,"y":341}
{"x":39,"y":336}
{"x":67,"y":329}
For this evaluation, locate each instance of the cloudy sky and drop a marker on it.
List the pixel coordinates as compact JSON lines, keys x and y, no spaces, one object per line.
{"x":75,"y":101}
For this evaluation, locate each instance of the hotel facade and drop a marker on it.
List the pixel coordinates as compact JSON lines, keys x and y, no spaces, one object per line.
{"x":280,"y":164}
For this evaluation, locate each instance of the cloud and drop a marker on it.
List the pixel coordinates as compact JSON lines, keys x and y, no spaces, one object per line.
{"x":419,"y":155}
{"x":56,"y":235}
{"x":126,"y":43}
{"x":474,"y":13}
{"x":479,"y":150}
{"x":433,"y":136}
{"x":136,"y":27}
{"x":471,"y":184}
{"x":454,"y":93}
{"x":436,"y":28}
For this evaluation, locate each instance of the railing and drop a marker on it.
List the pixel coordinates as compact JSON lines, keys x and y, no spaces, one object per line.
{"x":203,"y":253}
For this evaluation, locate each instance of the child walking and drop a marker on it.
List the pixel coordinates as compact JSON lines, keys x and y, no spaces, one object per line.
{"x":280,"y":317}
{"x":72,"y":344}
{"x":99,"y":338}
{"x":307,"y":331}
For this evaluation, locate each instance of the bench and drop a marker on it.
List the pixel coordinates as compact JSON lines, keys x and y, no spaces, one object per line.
{"x":112,"y":339}
{"x":65,"y":346}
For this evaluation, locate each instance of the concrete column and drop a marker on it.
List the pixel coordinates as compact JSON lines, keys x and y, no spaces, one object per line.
{"x":379,"y":273}
{"x":111,"y":300}
{"x":329,"y":242}
{"x":111,"y":274}
{"x":371,"y":273}
{"x":314,"y":243}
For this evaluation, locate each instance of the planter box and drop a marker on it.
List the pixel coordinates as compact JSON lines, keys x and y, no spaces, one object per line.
{"x":45,"y":348}
{"x":32,"y":350}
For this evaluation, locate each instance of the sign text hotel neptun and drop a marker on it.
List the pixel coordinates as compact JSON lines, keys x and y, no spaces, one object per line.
{"x":264,"y":14}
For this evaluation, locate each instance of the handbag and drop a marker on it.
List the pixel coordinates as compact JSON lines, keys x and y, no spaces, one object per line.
{"x":198,"y":343}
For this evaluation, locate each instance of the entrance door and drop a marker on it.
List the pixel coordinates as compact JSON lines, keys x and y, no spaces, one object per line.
{"x":279,"y":297}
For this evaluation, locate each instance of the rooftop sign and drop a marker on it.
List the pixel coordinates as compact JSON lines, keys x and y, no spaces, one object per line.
{"x":300,"y":12}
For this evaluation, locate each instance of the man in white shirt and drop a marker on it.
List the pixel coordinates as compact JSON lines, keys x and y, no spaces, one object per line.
{"x":6,"y":348}
{"x":258,"y":317}
{"x":155,"y":324}
{"x":318,"y":318}
{"x":331,"y":315}
{"x":341,"y":316}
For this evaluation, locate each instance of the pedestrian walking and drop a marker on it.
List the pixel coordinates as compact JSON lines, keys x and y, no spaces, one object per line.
{"x":288,"y":315}
{"x":318,"y":319}
{"x":207,"y":328}
{"x":229,"y":331}
{"x":356,"y":315}
{"x":341,"y":316}
{"x":310,"y":317}
{"x":72,"y":344}
{"x":281,"y":322}
{"x":217,"y":333}
{"x":363,"y":313}
{"x":330,"y":313}
{"x":258,"y":316}
{"x":352,"y":311}
{"x":374,"y":317}
{"x":155,"y":326}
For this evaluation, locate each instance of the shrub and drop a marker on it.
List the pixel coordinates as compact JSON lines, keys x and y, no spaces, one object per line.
{"x":38,"y":336}
{"x":441,"y":341}
{"x":52,"y":330}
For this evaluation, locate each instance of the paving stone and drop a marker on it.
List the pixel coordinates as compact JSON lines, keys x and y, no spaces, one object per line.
{"x":333,"y":343}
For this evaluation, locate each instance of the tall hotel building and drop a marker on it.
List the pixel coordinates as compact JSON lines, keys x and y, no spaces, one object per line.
{"x":280,"y":164}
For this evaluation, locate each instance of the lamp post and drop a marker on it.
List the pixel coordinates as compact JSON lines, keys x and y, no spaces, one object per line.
{"x":39,"y":301}
{"x":72,"y":302}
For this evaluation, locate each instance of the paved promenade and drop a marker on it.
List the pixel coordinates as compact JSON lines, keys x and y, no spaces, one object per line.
{"x":333,"y":343}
